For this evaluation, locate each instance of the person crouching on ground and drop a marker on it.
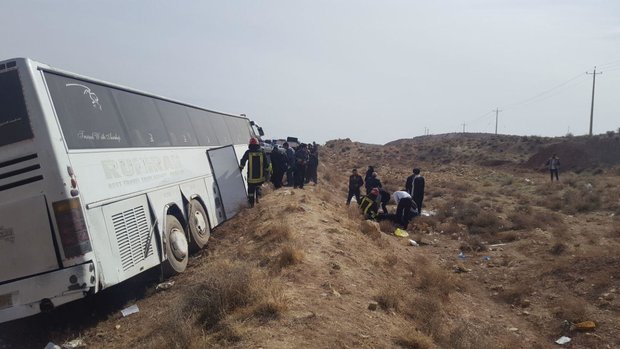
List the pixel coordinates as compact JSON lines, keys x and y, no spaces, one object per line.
{"x":355,"y":183}
{"x":404,"y":207}
{"x":257,"y":169}
{"x":370,"y":204}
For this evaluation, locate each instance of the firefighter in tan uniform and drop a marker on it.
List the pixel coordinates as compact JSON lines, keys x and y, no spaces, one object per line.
{"x":258,"y":167}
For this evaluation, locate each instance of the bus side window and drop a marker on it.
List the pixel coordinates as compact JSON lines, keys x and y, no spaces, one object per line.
{"x":142,"y":120}
{"x":202,"y":122}
{"x":177,"y":123}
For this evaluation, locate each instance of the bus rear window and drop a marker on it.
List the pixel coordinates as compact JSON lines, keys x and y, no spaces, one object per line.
{"x":14,"y":122}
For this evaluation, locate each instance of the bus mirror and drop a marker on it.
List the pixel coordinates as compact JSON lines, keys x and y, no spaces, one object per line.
{"x":260,"y":131}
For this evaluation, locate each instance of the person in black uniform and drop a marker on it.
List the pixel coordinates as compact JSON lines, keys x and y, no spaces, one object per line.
{"x":369,"y":172}
{"x":278,"y":164}
{"x":385,"y":198}
{"x":373,"y":182}
{"x":355,"y":183}
{"x":313,"y":164}
{"x":301,"y":161}
{"x":257,"y":169}
{"x":415,"y":187}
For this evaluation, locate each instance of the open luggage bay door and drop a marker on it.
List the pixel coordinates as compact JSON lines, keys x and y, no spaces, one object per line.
{"x":228,"y":179}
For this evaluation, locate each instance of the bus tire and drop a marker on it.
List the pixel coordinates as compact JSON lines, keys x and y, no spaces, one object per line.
{"x":177,"y":250}
{"x":198,"y":226}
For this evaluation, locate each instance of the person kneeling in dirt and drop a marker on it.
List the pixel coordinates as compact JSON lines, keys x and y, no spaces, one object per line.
{"x":370,"y":204}
{"x":405,"y":207}
{"x":257,"y":169}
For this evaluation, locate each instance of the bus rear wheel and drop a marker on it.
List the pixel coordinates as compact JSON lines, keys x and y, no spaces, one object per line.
{"x":176,"y":247}
{"x":198,"y":226}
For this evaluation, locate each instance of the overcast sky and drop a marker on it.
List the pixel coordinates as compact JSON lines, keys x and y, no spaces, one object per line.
{"x":373,"y":71}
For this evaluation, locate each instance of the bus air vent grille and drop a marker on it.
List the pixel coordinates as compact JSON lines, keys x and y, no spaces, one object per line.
{"x":133,"y":236}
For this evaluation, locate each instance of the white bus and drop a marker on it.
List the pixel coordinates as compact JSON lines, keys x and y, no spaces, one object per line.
{"x":99,"y":182}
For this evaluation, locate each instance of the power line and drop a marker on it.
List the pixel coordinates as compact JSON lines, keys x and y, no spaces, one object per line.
{"x":530,"y":99}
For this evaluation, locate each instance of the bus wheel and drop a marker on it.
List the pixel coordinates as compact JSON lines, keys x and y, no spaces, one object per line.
{"x":198,"y":226}
{"x":176,"y":246}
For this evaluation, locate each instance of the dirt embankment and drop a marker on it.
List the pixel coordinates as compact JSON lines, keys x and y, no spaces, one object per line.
{"x":303,"y":270}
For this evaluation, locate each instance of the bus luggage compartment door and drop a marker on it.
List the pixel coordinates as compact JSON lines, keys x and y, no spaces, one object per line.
{"x":228,"y":178}
{"x":26,"y":245}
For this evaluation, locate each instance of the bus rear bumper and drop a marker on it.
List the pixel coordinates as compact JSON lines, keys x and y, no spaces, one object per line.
{"x":43,"y":292}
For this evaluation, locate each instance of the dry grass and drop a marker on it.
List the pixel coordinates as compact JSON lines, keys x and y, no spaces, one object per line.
{"x":390,"y":259}
{"x":226,"y":287}
{"x":470,"y":214}
{"x":473,"y":244}
{"x":433,"y":279}
{"x":558,"y":248}
{"x":532,"y":219}
{"x":391,"y":297}
{"x":289,"y":255}
{"x":572,"y":309}
{"x":516,"y":294}
{"x":387,"y":226}
{"x":413,"y":339}
{"x":427,"y":312}
{"x":223,"y":290}
{"x":467,"y":336}
{"x":277,"y":231}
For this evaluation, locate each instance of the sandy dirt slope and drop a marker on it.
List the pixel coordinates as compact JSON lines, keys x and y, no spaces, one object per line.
{"x":300,"y":271}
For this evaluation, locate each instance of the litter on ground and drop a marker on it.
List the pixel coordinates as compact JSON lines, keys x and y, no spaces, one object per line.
{"x":401,"y":233}
{"x":130,"y":310}
{"x":164,"y":285}
{"x":563,"y":340}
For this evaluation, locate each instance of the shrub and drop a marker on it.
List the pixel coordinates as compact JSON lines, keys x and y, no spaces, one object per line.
{"x":227,"y":286}
{"x":391,"y":297}
{"x":413,"y":339}
{"x":289,"y":255}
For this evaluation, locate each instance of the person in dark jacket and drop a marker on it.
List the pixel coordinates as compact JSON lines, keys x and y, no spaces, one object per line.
{"x":554,"y":167}
{"x":384,"y":198}
{"x":355,"y":183}
{"x":313,"y":164}
{"x":373,"y":182}
{"x":301,"y":161}
{"x":369,"y":172}
{"x":258,"y":166}
{"x":278,"y":164}
{"x":290,"y":164}
{"x":415,"y":187}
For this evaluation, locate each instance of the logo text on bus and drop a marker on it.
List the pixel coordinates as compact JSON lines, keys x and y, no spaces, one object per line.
{"x":93,"y":97}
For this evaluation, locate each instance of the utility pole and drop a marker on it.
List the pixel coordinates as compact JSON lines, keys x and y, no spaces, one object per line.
{"x":464,"y":127}
{"x":496,"y":118}
{"x":592,"y":105}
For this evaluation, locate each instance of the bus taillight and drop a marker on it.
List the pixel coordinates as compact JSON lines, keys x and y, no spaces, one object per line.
{"x":72,"y":227}
{"x":74,"y":190}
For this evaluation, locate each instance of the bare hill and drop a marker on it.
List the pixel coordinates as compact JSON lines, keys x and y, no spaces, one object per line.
{"x":304,"y":270}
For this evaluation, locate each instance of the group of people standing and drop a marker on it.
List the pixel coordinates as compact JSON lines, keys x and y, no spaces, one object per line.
{"x":300,"y":167}
{"x":408,"y":201}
